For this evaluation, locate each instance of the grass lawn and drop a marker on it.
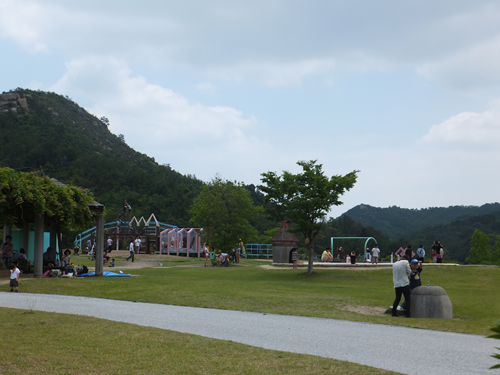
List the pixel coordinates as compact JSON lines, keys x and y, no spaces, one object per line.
{"x":327,"y":293}
{"x":50,"y":343}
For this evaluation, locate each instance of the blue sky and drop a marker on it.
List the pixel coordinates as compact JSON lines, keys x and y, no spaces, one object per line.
{"x":407,"y":92}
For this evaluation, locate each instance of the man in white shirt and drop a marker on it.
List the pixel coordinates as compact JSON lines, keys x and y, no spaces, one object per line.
{"x":137,"y":245}
{"x":401,"y":272}
{"x":131,"y":250}
{"x":375,"y":254}
{"x":109,"y":242}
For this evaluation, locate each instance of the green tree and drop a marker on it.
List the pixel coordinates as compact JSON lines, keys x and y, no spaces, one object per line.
{"x":495,"y":255}
{"x":305,"y":198}
{"x":223,"y":209}
{"x":22,"y":195}
{"x":480,"y":252}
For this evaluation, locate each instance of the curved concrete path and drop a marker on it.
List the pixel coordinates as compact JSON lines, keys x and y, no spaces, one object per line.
{"x":402,"y":349}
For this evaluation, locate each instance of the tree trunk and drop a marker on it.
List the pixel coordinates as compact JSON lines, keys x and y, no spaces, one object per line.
{"x":311,"y":256}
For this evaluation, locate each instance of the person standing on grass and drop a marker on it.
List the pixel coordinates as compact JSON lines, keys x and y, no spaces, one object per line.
{"x":401,"y":272}
{"x":206,"y":254}
{"x":353,"y":257}
{"x":420,"y":253}
{"x":295,"y":257}
{"x":131,"y":249}
{"x":238,"y":254}
{"x":415,"y":282}
{"x":14,"y":277}
{"x":109,"y":242}
{"x":375,"y":254}
{"x":137,"y":245}
{"x":436,"y":252}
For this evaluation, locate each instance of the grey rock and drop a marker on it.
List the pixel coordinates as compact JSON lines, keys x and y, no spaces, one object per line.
{"x":431,"y":302}
{"x":23,"y":103}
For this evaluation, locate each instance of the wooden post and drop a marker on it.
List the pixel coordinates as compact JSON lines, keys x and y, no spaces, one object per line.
{"x":6,"y":232}
{"x":25,"y":243}
{"x":53,"y":239}
{"x":38,"y":256}
{"x":99,"y":251}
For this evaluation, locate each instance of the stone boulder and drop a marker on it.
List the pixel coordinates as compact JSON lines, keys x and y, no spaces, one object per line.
{"x":431,"y":302}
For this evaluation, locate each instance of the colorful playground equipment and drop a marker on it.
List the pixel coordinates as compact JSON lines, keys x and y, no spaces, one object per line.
{"x":259,"y":250}
{"x":368,"y":239}
{"x":181,"y":241}
{"x":122,"y":232}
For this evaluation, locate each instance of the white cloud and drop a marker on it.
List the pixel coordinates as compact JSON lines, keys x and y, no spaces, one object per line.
{"x":192,"y":137}
{"x":205,"y":87}
{"x":20,"y":22}
{"x":272,"y":43}
{"x":274,"y":74}
{"x":468,"y":127}
{"x":475,"y":67}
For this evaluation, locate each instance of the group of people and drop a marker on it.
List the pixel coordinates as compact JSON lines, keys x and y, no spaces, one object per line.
{"x":437,"y":252}
{"x":215,"y":257}
{"x":327,"y":255}
{"x":406,"y":277}
{"x":134,"y":247}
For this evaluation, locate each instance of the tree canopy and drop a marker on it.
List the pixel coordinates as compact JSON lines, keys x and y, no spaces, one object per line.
{"x":481,"y":252}
{"x":305,"y":198}
{"x":223,"y":209}
{"x":22,"y":195}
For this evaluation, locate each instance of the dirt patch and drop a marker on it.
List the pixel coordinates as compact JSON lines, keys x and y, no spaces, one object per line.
{"x":365,"y":310}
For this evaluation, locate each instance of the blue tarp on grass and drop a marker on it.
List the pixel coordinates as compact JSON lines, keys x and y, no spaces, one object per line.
{"x":105,"y":273}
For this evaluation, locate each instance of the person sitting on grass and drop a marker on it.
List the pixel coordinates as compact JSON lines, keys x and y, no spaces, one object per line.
{"x":48,"y":258}
{"x":66,"y":258}
{"x":327,"y":255}
{"x":214,"y":258}
{"x":112,"y":264}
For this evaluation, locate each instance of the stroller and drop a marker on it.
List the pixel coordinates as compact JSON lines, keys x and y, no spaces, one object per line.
{"x":224,"y":260}
{"x":232,"y":257}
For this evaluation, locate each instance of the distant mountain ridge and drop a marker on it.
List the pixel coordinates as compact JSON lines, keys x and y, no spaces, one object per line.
{"x":396,"y":222}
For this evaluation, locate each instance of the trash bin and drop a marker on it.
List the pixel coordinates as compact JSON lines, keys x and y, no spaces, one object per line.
{"x":431,"y":302}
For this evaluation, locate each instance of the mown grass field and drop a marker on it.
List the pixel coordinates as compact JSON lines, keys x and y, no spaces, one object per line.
{"x":48,"y":343}
{"x":328,"y":293}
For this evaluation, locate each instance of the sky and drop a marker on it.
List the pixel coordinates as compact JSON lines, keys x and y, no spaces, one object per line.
{"x":405,"y":92}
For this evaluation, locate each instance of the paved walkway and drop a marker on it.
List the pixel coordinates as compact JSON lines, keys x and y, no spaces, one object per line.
{"x":402,"y":349}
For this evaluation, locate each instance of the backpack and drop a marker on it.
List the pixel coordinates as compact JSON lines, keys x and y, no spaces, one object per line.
{"x":85,"y":269}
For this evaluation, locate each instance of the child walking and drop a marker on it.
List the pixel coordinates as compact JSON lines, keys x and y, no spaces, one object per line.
{"x":14,"y":277}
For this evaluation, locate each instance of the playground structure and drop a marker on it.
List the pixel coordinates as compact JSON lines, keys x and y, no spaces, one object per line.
{"x":355,"y":238}
{"x":122,"y":232}
{"x":258,"y":250}
{"x":180,"y":241}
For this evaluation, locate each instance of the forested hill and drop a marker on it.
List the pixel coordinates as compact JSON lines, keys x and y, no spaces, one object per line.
{"x":396,"y":222}
{"x":456,"y":235}
{"x":49,"y":132}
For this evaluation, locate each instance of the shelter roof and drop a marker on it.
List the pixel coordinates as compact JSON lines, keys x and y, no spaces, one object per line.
{"x":283,"y":235}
